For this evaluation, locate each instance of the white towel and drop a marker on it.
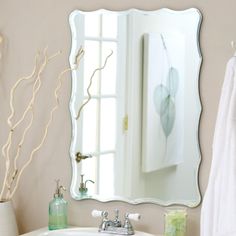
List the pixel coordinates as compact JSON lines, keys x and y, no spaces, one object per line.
{"x":218,"y":215}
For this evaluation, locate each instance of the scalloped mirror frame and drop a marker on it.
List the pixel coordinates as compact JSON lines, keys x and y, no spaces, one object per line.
{"x":75,"y":173}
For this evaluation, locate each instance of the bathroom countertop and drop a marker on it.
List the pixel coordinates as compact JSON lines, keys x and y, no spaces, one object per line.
{"x":43,"y":230}
{"x":35,"y":232}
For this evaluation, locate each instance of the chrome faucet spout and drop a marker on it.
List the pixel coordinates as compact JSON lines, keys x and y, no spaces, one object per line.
{"x":106,"y":224}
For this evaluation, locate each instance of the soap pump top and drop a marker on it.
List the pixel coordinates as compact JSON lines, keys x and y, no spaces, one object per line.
{"x":82,"y":188}
{"x":58,"y":192}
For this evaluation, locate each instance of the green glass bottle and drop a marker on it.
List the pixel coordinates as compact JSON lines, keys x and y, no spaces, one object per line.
{"x":58,"y":210}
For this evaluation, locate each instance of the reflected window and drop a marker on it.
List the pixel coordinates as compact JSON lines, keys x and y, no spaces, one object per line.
{"x":103,"y":116}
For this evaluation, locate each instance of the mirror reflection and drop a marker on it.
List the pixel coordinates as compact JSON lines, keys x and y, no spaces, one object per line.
{"x":137,"y":138}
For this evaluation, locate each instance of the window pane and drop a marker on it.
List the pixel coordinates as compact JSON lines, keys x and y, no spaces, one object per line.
{"x":106,"y":175}
{"x":109,"y":25}
{"x":108,"y":124}
{"x":92,"y":25}
{"x":90,"y":126}
{"x":91,"y":62}
{"x":108,"y":80}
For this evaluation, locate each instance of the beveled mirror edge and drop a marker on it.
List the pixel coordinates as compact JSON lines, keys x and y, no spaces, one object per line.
{"x":138,"y":201}
{"x":102,"y":10}
{"x":186,"y":203}
{"x":198,"y":39}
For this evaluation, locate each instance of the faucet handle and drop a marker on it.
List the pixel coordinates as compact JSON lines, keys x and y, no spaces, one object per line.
{"x":127,"y":224}
{"x":133,"y":216}
{"x":96,"y":213}
{"x":103,"y":214}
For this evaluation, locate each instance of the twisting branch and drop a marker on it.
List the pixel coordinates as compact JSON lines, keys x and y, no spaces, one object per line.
{"x":36,"y":88}
{"x":90,"y":84}
{"x":16,"y":85}
{"x":34,"y":150}
{"x":78,"y":57}
{"x":1,"y":46}
{"x":8,"y":143}
{"x":56,"y":92}
{"x":13,"y":173}
{"x":19,"y":146}
{"x":37,"y":84}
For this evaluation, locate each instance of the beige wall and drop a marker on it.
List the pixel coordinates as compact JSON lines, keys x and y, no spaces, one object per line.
{"x":30,"y":25}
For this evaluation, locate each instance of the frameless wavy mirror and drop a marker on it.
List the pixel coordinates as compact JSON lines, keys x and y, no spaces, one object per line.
{"x":137,"y":138}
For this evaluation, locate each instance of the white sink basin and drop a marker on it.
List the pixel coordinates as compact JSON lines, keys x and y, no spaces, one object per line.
{"x":73,"y":232}
{"x":83,"y":232}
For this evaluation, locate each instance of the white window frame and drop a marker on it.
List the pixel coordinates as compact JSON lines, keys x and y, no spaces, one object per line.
{"x":78,"y":97}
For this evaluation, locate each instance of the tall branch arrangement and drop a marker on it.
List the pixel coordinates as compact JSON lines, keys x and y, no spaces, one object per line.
{"x":13,"y":171}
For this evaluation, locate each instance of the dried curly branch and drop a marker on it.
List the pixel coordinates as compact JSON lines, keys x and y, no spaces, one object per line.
{"x":1,"y":45}
{"x":18,"y":173}
{"x":90,"y":84}
{"x":13,"y":173}
{"x":15,"y":87}
{"x":19,"y":146}
{"x":37,"y":84}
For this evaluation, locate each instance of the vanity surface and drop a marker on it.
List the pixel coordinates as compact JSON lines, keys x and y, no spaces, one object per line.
{"x":43,"y":231}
